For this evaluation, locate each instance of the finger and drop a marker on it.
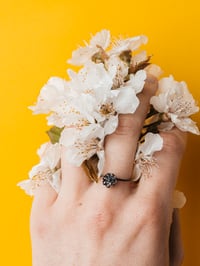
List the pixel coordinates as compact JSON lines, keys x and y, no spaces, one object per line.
{"x":175,"y":241}
{"x":74,"y":179}
{"x":120,"y":146}
{"x":44,"y":196}
{"x":164,"y":174}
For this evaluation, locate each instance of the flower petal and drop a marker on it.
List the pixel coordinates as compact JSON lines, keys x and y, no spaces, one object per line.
{"x":27,"y":186}
{"x":137,"y":81}
{"x":179,"y":200}
{"x":50,"y":95}
{"x":126,"y":101}
{"x":187,"y":125}
{"x":56,"y":180}
{"x":111,"y":124}
{"x":100,"y":165}
{"x":101,"y":39}
{"x":152,"y":143}
{"x":83,"y":54}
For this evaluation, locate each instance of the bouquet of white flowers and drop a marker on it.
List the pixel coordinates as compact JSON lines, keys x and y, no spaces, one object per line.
{"x":84,"y":109}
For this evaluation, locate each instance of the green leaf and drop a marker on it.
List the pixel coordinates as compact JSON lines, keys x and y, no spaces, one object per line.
{"x":54,"y":134}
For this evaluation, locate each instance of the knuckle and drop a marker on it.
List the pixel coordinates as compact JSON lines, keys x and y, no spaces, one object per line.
{"x":154,"y":211}
{"x":126,"y":125}
{"x":39,"y":226}
{"x":151,"y":214}
{"x":43,"y":224}
{"x":98,"y":220}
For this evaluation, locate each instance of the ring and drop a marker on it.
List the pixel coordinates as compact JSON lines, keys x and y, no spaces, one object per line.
{"x":111,"y":179}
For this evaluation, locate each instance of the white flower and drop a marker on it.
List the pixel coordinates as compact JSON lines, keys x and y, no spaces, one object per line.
{"x":132,"y":44}
{"x":96,"y":97}
{"x":138,"y":58}
{"x":126,"y":101}
{"x":84,"y":54}
{"x":118,"y":69}
{"x":76,"y":108}
{"x":119,"y":101}
{"x":122,"y":101}
{"x":48,"y":170}
{"x":55,"y":98}
{"x":177,"y":103}
{"x":92,"y":79}
{"x":50,"y":154}
{"x":82,"y":144}
{"x":151,"y":69}
{"x":86,"y":108}
{"x":144,"y":159}
{"x":136,"y":81}
{"x":52,"y":94}
{"x":91,"y":87}
{"x":74,"y":113}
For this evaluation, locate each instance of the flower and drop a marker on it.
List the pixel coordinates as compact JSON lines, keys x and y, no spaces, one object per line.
{"x":175,"y":101}
{"x":123,"y":100}
{"x":138,"y":58}
{"x":54,"y":99}
{"x":98,"y":44}
{"x":93,"y":79}
{"x":82,"y":144}
{"x":120,"y":70}
{"x":144,"y":159}
{"x":131,"y":44}
{"x":84,"y":109}
{"x":136,"y":81}
{"x":47,"y":171}
{"x":51,"y":95}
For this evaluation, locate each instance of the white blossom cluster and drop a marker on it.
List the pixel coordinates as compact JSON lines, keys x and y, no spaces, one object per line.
{"x":84,"y":109}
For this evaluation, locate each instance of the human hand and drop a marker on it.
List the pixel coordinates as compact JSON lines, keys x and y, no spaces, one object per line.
{"x":129,"y":224}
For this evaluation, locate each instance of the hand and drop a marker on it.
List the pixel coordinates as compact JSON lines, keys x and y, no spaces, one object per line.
{"x":129,"y":224}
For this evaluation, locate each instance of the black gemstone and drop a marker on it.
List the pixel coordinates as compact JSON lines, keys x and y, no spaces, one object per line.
{"x":109,"y":180}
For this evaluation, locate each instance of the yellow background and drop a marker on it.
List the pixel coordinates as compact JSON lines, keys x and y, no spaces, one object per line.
{"x":36,"y":38}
